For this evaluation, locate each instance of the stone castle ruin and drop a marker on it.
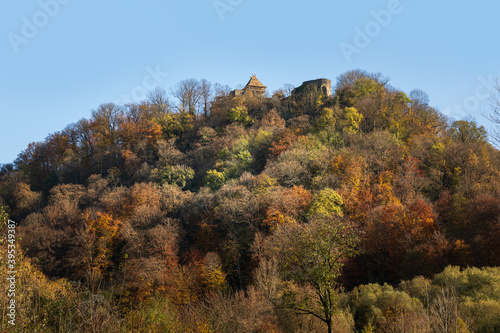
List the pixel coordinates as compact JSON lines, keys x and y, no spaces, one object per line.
{"x":255,"y":88}
{"x":324,"y":85}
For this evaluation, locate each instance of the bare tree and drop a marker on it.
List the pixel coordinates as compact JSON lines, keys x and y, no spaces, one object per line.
{"x":419,"y":97}
{"x":221,"y":90}
{"x":188,"y":93}
{"x":288,"y":89}
{"x":266,"y":278}
{"x":494,"y":115}
{"x":445,"y":313}
{"x":206,"y":95}
{"x":159,"y":101}
{"x":106,"y":120}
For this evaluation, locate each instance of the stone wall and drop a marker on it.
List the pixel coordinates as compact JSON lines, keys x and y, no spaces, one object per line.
{"x":325,"y":85}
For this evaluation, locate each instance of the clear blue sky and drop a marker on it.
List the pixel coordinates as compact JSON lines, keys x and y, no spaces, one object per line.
{"x":90,"y":52}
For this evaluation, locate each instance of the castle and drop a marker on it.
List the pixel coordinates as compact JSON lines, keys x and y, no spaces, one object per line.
{"x":255,"y":88}
{"x":323,"y":85}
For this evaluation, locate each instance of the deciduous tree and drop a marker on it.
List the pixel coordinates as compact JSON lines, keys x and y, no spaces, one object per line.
{"x":312,"y":254}
{"x":189,"y":94}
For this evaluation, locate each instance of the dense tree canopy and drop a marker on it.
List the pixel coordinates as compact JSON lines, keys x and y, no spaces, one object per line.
{"x":198,"y":203}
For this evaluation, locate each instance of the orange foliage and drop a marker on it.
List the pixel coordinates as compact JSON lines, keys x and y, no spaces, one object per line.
{"x":282,"y":143}
{"x":358,"y":201}
{"x":288,"y":206}
{"x":361,"y":196}
{"x":133,"y":132}
{"x":383,"y":189}
{"x":130,"y":159}
{"x":187,"y":280}
{"x":462,"y":253}
{"x":273,"y":120}
{"x":102,"y":232}
{"x":406,"y":239}
{"x":349,"y":168}
{"x":413,"y":223}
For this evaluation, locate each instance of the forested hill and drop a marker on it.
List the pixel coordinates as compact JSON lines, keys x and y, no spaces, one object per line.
{"x":279,"y":201}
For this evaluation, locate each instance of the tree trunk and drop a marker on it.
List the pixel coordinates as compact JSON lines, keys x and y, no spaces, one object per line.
{"x":330,"y":328}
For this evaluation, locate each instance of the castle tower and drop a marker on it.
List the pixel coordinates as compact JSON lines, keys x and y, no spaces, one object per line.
{"x":254,"y":87}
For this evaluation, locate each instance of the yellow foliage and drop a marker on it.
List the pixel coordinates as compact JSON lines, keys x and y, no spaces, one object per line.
{"x":348,"y":168}
{"x":102,"y":231}
{"x":385,"y":191}
{"x":276,"y":218}
{"x":213,"y":278}
{"x":185,"y":285}
{"x":264,"y":182}
{"x":203,"y":327}
{"x":37,"y":299}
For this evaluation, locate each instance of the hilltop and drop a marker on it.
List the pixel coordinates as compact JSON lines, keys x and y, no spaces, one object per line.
{"x":246,"y":206}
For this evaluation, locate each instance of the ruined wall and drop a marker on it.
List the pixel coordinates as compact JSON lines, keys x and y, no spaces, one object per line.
{"x":325,"y":85}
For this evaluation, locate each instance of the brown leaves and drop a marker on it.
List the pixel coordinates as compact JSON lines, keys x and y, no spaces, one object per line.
{"x":406,"y":239}
{"x":287,"y":206}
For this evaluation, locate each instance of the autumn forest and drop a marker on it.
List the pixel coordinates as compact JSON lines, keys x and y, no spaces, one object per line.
{"x":199,"y":211}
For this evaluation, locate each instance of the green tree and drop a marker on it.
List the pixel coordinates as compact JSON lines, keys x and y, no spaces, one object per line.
{"x":351,"y":121}
{"x":174,"y":125}
{"x":179,"y":175}
{"x":326,"y":120}
{"x":357,"y":84}
{"x":214,"y":179}
{"x":312,"y":255}
{"x":240,"y":114}
{"x":467,"y":131}
{"x":233,"y":161}
{"x":326,"y":203}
